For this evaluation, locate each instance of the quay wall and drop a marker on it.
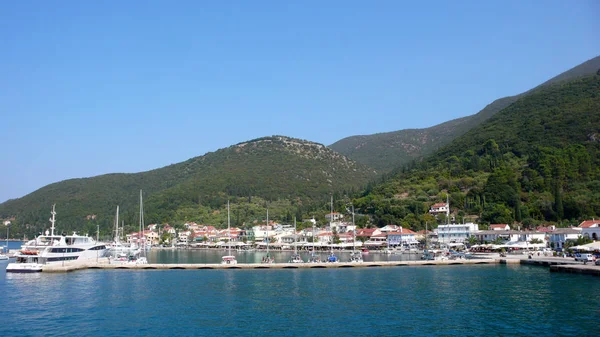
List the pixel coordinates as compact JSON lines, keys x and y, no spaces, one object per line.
{"x":104,"y":265}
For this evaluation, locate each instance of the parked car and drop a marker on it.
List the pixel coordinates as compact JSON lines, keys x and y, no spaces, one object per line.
{"x":584,"y":257}
{"x":598,"y":262}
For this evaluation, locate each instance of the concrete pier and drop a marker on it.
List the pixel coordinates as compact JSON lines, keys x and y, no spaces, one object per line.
{"x":104,"y":265}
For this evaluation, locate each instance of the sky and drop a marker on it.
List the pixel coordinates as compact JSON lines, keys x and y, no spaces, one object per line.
{"x":95,"y":87}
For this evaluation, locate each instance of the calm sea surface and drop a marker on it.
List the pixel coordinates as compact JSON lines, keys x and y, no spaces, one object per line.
{"x":481,"y":300}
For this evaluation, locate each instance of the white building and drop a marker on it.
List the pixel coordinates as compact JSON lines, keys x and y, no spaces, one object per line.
{"x":500,"y":227}
{"x":590,"y":229}
{"x":559,"y":236}
{"x":183,"y":236}
{"x":335,"y":216}
{"x":490,"y":236}
{"x":440,"y":208}
{"x":456,"y":232}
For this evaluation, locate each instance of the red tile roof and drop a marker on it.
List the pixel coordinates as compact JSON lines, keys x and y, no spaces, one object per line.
{"x":440,"y":204}
{"x":589,"y":223}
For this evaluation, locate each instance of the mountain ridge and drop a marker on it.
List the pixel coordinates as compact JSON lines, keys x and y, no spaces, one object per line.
{"x":390,"y":150}
{"x":269,"y":167}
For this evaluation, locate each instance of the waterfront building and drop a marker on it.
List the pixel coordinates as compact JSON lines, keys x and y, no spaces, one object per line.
{"x":558,"y":237}
{"x":403,"y":236}
{"x":590,"y":229}
{"x":511,"y":236}
{"x":377,"y":240}
{"x":456,"y":233}
{"x":182,"y":236}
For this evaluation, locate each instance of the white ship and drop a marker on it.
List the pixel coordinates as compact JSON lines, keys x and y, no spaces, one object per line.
{"x":55,"y":249}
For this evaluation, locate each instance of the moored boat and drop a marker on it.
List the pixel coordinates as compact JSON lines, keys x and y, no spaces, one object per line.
{"x":55,"y":249}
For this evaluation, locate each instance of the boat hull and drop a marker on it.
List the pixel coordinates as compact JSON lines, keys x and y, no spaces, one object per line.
{"x":24,"y":268}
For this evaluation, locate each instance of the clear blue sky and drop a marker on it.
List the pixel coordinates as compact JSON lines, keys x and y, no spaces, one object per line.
{"x":94,"y":87}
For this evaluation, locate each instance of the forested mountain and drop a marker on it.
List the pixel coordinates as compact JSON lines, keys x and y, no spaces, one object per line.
{"x":536,"y":161}
{"x":386,"y":151}
{"x":267,"y":169}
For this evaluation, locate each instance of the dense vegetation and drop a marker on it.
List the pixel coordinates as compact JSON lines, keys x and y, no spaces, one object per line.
{"x":288,"y":173}
{"x":536,"y":161}
{"x":532,"y":159}
{"x":387,"y":151}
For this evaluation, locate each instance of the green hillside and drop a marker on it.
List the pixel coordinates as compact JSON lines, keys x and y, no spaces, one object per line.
{"x":386,"y":151}
{"x":536,"y":161}
{"x":288,"y":172}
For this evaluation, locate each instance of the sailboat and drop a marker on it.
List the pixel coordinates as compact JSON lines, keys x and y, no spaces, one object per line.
{"x":228,"y":259}
{"x":331,"y":257}
{"x":296,"y":257}
{"x":267,"y":259}
{"x":141,"y":259}
{"x":313,"y":255}
{"x":355,"y":256}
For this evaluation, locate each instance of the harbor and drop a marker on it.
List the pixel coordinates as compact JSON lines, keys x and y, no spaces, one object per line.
{"x":554,"y":264}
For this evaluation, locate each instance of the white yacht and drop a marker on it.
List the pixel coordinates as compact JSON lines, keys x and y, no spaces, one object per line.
{"x":55,"y":249}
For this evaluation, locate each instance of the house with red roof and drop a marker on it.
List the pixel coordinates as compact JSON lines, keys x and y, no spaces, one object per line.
{"x":500,"y":227}
{"x":400,"y":237}
{"x":440,"y":208}
{"x":367,"y":232}
{"x":590,"y":229}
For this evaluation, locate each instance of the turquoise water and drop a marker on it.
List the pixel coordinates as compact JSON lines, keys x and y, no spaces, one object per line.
{"x":495,"y":300}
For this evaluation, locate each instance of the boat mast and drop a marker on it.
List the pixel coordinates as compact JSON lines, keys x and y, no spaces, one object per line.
{"x":52,"y":220}
{"x":313,"y":236}
{"x":228,"y":229}
{"x":295,"y":249}
{"x":354,"y":226}
{"x":268,"y":239}
{"x":425,"y":236}
{"x":141,"y":223}
{"x":331,"y":225}
{"x":117,"y":226}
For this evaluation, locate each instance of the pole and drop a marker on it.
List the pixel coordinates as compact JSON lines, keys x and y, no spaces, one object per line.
{"x":353,"y":225}
{"x":97,"y":237}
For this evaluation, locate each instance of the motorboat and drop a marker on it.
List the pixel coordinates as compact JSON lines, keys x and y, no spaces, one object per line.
{"x":332,"y":258}
{"x":55,"y":249}
{"x":296,"y":259}
{"x":356,"y":257}
{"x":229,"y":259}
{"x":431,"y":255}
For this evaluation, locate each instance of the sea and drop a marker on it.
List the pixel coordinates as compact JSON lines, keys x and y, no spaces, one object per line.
{"x":458,"y":300}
